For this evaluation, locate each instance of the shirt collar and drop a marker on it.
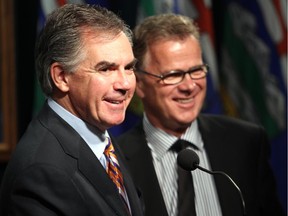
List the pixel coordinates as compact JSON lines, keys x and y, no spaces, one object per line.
{"x":92,"y":135}
{"x":160,"y":142}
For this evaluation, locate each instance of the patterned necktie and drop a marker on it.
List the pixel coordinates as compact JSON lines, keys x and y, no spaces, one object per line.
{"x":113,"y":170}
{"x":186,"y":205}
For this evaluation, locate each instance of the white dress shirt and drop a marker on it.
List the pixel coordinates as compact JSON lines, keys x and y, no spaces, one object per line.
{"x":164,"y":160}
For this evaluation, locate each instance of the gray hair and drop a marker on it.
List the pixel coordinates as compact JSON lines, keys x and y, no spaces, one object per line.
{"x":160,"y":27}
{"x":62,"y":38}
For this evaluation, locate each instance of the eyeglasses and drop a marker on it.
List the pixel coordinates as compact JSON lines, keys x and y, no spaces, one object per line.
{"x":176,"y":76}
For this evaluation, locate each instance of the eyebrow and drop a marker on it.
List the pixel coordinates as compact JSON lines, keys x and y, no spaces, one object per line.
{"x":132,"y":63}
{"x":108,"y":64}
{"x":181,"y":71}
{"x":102,"y":64}
{"x":196,"y":67}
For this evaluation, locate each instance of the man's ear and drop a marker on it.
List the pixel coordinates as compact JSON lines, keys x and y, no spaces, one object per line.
{"x":59,"y":77}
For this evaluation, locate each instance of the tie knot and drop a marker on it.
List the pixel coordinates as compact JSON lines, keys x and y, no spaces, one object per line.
{"x":180,"y":144}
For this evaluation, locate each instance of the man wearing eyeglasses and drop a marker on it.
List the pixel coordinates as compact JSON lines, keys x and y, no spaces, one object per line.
{"x":171,"y":82}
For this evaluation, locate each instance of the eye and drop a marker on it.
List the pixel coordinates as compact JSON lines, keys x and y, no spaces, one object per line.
{"x":131,"y":67}
{"x":173,"y":75}
{"x":103,"y":70}
{"x":196,"y":71}
{"x":199,"y":69}
{"x":107,"y":69}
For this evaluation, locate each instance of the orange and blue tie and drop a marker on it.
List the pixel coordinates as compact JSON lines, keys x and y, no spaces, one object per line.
{"x":113,"y":170}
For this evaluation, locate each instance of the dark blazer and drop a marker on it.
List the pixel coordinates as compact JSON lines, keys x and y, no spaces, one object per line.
{"x":54,"y":172}
{"x":238,"y":148}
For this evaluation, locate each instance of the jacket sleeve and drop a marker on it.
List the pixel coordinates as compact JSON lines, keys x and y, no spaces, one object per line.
{"x":45,"y":190}
{"x":267,"y":191}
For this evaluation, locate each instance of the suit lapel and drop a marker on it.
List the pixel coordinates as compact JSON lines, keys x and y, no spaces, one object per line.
{"x":133,"y":195}
{"x":88,"y":164}
{"x":93,"y":170}
{"x":213,"y":137}
{"x":138,"y":153}
{"x":212,"y":142}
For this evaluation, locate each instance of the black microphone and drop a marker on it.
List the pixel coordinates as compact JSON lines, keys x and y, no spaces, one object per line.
{"x":189,"y":160}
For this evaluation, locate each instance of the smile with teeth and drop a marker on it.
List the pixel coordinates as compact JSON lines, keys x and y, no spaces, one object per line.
{"x":185,"y":100}
{"x":115,"y":102}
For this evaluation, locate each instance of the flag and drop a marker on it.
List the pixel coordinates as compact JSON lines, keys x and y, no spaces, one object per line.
{"x":252,"y":38}
{"x":201,"y":12}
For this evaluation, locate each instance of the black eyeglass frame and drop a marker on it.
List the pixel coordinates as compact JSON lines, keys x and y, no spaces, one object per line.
{"x":162,"y":77}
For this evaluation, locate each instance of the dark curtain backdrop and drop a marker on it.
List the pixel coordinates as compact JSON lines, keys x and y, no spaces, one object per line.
{"x":25,"y":35}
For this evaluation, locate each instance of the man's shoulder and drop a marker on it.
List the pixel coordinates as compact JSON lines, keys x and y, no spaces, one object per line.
{"x":134,"y":136}
{"x":225,"y":119}
{"x":212,"y":120}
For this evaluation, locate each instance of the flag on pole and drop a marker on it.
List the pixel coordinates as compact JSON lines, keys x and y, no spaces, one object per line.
{"x":253,"y":53}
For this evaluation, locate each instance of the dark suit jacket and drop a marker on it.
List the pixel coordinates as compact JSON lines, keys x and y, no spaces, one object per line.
{"x":54,"y":172}
{"x":238,"y":148}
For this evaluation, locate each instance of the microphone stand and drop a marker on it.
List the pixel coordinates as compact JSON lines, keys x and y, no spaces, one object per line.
{"x":231,"y":180}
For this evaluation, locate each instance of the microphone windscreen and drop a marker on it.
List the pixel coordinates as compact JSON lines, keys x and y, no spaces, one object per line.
{"x":187,"y":159}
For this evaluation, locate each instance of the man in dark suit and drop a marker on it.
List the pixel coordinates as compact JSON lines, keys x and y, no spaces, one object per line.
{"x":65,"y":163}
{"x":171,"y":82}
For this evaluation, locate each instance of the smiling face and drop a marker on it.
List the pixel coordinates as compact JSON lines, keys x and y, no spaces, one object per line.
{"x":101,"y":88}
{"x":172,"y":107}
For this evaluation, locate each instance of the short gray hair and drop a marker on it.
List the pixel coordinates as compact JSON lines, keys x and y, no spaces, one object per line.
{"x":159,"y":27}
{"x":61,"y":40}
